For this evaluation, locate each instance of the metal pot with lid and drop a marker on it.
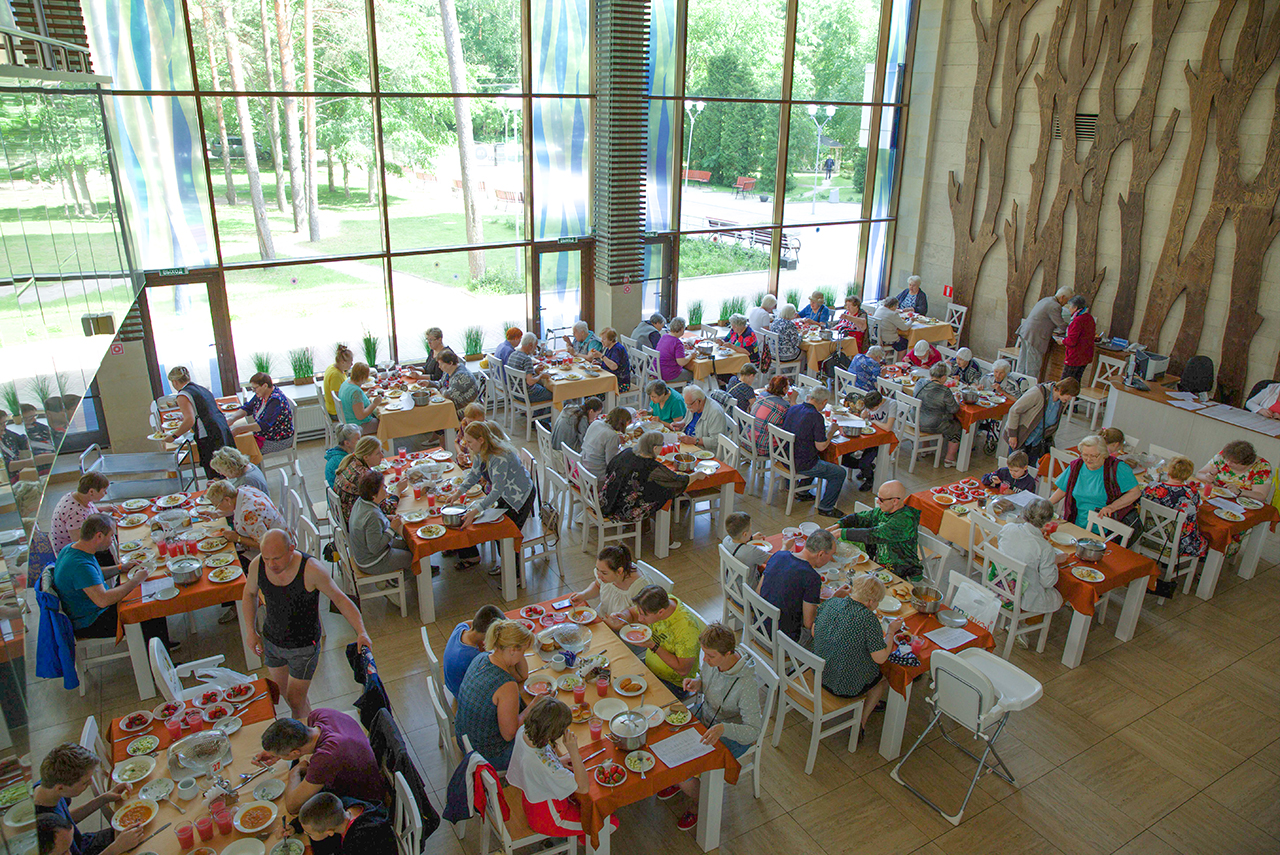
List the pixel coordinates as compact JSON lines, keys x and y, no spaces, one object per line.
{"x":453,"y":515}
{"x":629,"y":729}
{"x":185,"y":571}
{"x":969,"y":395}
{"x":705,"y":347}
{"x":1088,"y":549}
{"x":685,"y":462}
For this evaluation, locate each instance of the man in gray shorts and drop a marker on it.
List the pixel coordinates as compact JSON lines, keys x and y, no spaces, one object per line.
{"x":291,"y":583}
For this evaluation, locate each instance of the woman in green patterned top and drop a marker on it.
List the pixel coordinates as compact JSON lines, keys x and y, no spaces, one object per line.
{"x":891,"y":528}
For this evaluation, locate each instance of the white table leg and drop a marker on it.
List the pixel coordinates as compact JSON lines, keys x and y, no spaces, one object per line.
{"x":449,"y":445}
{"x":426,"y":593}
{"x":662,"y":534}
{"x":601,"y":848}
{"x":1209,"y":574}
{"x":710,"y":806}
{"x":141,"y":662}
{"x":1073,"y":652}
{"x":1132,"y":608}
{"x":727,"y":493}
{"x":252,"y":662}
{"x":966,"y":448}
{"x":1251,"y":550}
{"x":509,"y":569}
{"x":895,"y":722}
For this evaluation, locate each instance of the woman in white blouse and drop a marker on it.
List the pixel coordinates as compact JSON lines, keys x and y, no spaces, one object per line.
{"x":1025,"y":541}
{"x":617,"y":582}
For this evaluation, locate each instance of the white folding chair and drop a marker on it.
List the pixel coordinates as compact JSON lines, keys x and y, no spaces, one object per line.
{"x":1094,"y":396}
{"x":758,"y":634}
{"x":407,"y":823}
{"x":1005,"y":581}
{"x":279,"y":485}
{"x":955,"y":316}
{"x":514,"y":831}
{"x":907,"y":427}
{"x":977,"y":690}
{"x":782,"y":465}
{"x":169,"y":676}
{"x":733,"y":578}
{"x":752,"y":760}
{"x":802,"y":691}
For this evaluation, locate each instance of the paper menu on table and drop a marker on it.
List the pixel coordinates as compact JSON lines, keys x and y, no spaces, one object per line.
{"x":949,"y":637}
{"x":1021,"y":498}
{"x":1183,"y":396}
{"x":1188,"y":405}
{"x":681,"y":748}
{"x":152,"y":585}
{"x":1227,"y":505}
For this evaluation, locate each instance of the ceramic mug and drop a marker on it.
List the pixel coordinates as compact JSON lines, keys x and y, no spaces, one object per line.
{"x":558,"y":663}
{"x":187,"y":789}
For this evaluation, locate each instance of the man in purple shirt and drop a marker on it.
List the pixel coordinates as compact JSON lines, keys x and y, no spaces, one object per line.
{"x":672,"y":361}
{"x":341,"y":760}
{"x":812,"y":438}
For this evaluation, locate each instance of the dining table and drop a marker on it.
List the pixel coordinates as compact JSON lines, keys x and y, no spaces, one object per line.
{"x":990,"y":406}
{"x":723,"y":360}
{"x":136,"y":542}
{"x":724,"y":478}
{"x":245,"y":742}
{"x":426,"y":534}
{"x":572,"y":377}
{"x":1119,"y":567}
{"x":401,"y":417}
{"x":901,"y":675}
{"x":817,"y":349}
{"x":714,"y":768}
{"x":923,"y":328}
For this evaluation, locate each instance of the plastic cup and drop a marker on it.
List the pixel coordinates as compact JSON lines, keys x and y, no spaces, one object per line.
{"x":602,"y":686}
{"x":223,"y":818}
{"x":186,"y":835}
{"x":580,"y":694}
{"x":174,"y":726}
{"x":204,"y":826}
{"x":595,"y":724}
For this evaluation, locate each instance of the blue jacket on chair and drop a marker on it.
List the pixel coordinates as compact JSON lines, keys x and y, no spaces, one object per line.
{"x":56,"y":642}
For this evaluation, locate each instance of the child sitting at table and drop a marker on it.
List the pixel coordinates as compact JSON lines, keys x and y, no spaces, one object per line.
{"x":345,"y":826}
{"x":1014,"y":475}
{"x":738,"y":542}
{"x":547,"y":785}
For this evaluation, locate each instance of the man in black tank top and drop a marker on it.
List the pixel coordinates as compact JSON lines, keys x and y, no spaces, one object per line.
{"x":291,"y":583}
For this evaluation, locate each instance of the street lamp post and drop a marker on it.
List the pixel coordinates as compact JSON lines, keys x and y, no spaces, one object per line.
{"x":693,"y":108}
{"x":830,"y":110}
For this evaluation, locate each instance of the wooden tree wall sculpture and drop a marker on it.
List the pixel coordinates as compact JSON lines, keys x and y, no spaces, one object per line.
{"x":1222,"y":97}
{"x":987,"y":146}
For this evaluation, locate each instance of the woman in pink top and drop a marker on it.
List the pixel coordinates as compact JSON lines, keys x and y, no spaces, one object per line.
{"x":73,"y":508}
{"x":672,"y":361}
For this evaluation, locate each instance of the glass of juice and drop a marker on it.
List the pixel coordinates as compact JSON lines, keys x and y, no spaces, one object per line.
{"x":580,"y":693}
{"x":597,"y":728}
{"x":204,"y":825}
{"x":186,"y":835}
{"x":223,"y":818}
{"x":602,"y":686}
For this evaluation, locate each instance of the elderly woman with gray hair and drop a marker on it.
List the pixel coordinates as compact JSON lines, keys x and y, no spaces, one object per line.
{"x":1025,"y":541}
{"x":583,"y":342}
{"x":233,"y":464}
{"x":788,"y":334}
{"x":636,"y":484}
{"x":999,"y":378}
{"x":347,"y":436}
{"x":1078,"y":340}
{"x":534,"y":374}
{"x":1095,"y":481}
{"x":938,"y":408}
{"x":963,"y":368}
{"x":673,"y":361}
{"x":761,"y":317}
{"x":913,"y":298}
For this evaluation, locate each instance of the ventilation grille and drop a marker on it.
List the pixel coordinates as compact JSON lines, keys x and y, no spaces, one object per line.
{"x":1086,"y":127}
{"x":55,"y":19}
{"x":621,"y":128}
{"x":131,"y":326}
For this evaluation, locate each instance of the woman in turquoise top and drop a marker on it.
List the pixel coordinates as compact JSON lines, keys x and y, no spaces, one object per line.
{"x":1095,"y":482}
{"x":667,"y":407}
{"x":354,"y":406}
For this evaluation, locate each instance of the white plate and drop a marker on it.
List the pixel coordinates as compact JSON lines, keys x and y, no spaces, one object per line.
{"x":121,"y":809}
{"x":808,"y":528}
{"x":21,"y":815}
{"x":133,"y":521}
{"x":626,"y":631}
{"x":1230,"y":516}
{"x":157,"y":712}
{"x":567,"y":682}
{"x":166,"y":593}
{"x":703,"y":454}
{"x":635,"y":678}
{"x":157,"y":789}
{"x":791,"y":531}
{"x":269,"y":791}
{"x":1062,"y":538}
{"x":640,"y":761}
{"x":440,"y":456}
{"x":489,"y":516}
{"x":653,"y":713}
{"x":228,"y":725}
{"x":222,"y":575}
{"x":245,"y":846}
{"x":1087,"y":574}
{"x":236,"y":820}
{"x":131,"y":545}
{"x":1250,"y":504}
{"x":289,"y":846}
{"x":215,"y":696}
{"x":762,"y":545}
{"x":135,"y":504}
{"x":141,"y":727}
{"x":596,"y":772}
{"x":431,"y":532}
{"x":889,"y":605}
{"x":607,"y":708}
{"x":537,"y":679}
{"x":413,"y":516}
{"x":225,"y":708}
{"x":708,"y":467}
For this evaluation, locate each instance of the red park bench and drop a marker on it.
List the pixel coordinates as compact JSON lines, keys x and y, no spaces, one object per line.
{"x":697,"y":175}
{"x":743,"y":186}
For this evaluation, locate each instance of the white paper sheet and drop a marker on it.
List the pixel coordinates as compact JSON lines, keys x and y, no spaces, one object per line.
{"x":1183,"y":396}
{"x":1242,"y":418}
{"x":1021,"y":498}
{"x":681,"y":748}
{"x":1187,"y":405}
{"x":1227,"y":505}
{"x":949,"y":637}
{"x":851,"y":422}
{"x":152,"y":585}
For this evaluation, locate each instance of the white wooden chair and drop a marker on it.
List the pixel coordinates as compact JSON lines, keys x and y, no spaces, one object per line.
{"x":1059,"y":461}
{"x":759,"y":634}
{"x":169,"y":676}
{"x":947,"y":352}
{"x":1007,"y":574}
{"x":653,"y":574}
{"x":907,"y":427}
{"x":514,"y":831}
{"x":1161,"y":540}
{"x":752,"y":760}
{"x":292,"y":510}
{"x":91,"y":738}
{"x":802,"y":691}
{"x":366,"y":584}
{"x":734,"y":576}
{"x":989,"y":604}
{"x":805,"y":382}
{"x":955,"y":316}
{"x":309,"y":538}
{"x":845,"y":383}
{"x":934,"y":553}
{"x":282,"y":452}
{"x":316,"y":511}
{"x":644,"y":369}
{"x":448,"y":740}
{"x":1094,"y":396}
{"x":777,"y":368}
{"x":407,"y":822}
{"x":84,"y":660}
{"x":1165,"y":454}
{"x":518,"y":402}
{"x":573,"y":501}
{"x":984,"y":532}
{"x":782,"y":466}
{"x":756,"y":464}
{"x":1110,"y":530}
{"x":593,"y":517}
{"x":706,"y":500}
{"x":537,"y":540}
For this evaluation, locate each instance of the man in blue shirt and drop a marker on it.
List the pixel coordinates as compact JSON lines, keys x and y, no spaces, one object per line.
{"x":65,"y":773}
{"x":812,"y":438}
{"x":791,"y":583}
{"x":81,"y":587}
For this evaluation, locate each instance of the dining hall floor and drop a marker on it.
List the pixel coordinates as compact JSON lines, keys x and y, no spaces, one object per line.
{"x":1169,"y":743}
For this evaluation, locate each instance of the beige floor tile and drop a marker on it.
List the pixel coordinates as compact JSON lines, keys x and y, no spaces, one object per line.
{"x":1023,"y":761}
{"x":1231,"y":627}
{"x":782,"y":834}
{"x":1204,"y":826}
{"x":1253,"y":792}
{"x":1104,"y":702}
{"x":786,"y":782}
{"x":1269,"y":757}
{"x":995,"y":827}
{"x":1229,"y":718}
{"x":1255,"y":602}
{"x":1071,"y":816}
{"x":1146,"y":843}
{"x":1129,"y":780}
{"x":854,"y":818}
{"x":742,"y":811}
{"x":1262,"y":682}
{"x":1180,"y":749}
{"x":1198,"y":651}
{"x":939,"y":782}
{"x":1151,"y":676}
{"x":1054,"y":731}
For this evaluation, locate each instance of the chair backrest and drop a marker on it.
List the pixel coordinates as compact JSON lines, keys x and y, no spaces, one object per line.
{"x":492,"y":809}
{"x":845,"y":382}
{"x":955,"y":316}
{"x":782,"y":447}
{"x":308,"y":536}
{"x":335,"y":507}
{"x":293,"y":510}
{"x":762,"y":620}
{"x":662,"y":580}
{"x":908,"y":411}
{"x":407,"y":822}
{"x":1004,"y":577}
{"x":1059,"y":460}
{"x":281,"y":487}
{"x":1165,"y":454}
{"x":746,"y":423}
{"x":727,"y":451}
{"x":768,"y":679}
{"x":444,"y":720}
{"x":644,"y":365}
{"x":300,"y":484}
{"x":960,"y":690}
{"x":517,"y":388}
{"x":1111,"y":530}
{"x":1108,"y":368}
{"x":1161,"y":528}
{"x":572,"y":465}
{"x":544,"y":442}
{"x":733,"y":578}
{"x":91,"y":738}
{"x":934,"y":553}
{"x":947,"y":352}
{"x":628,"y":342}
{"x":804,"y":381}
{"x":972,"y":600}
{"x":984,"y":532}
{"x":801,"y":672}
{"x":162,"y":669}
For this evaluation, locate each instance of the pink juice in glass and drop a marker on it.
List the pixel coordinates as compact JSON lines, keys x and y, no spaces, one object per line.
{"x":186,"y":835}
{"x":204,"y":825}
{"x":192,"y":548}
{"x":223,"y":818}
{"x":596,"y":726}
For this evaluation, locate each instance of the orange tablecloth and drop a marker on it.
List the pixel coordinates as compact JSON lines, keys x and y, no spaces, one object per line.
{"x":602,"y":802}
{"x":1219,"y":532}
{"x":930,"y":511}
{"x":724,"y":475}
{"x":970,"y":414}
{"x":201,"y":594}
{"x":819,"y":351}
{"x":1120,"y":566}
{"x":261,"y":709}
{"x":900,"y":676}
{"x":453,"y":538}
{"x":839,"y":448}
